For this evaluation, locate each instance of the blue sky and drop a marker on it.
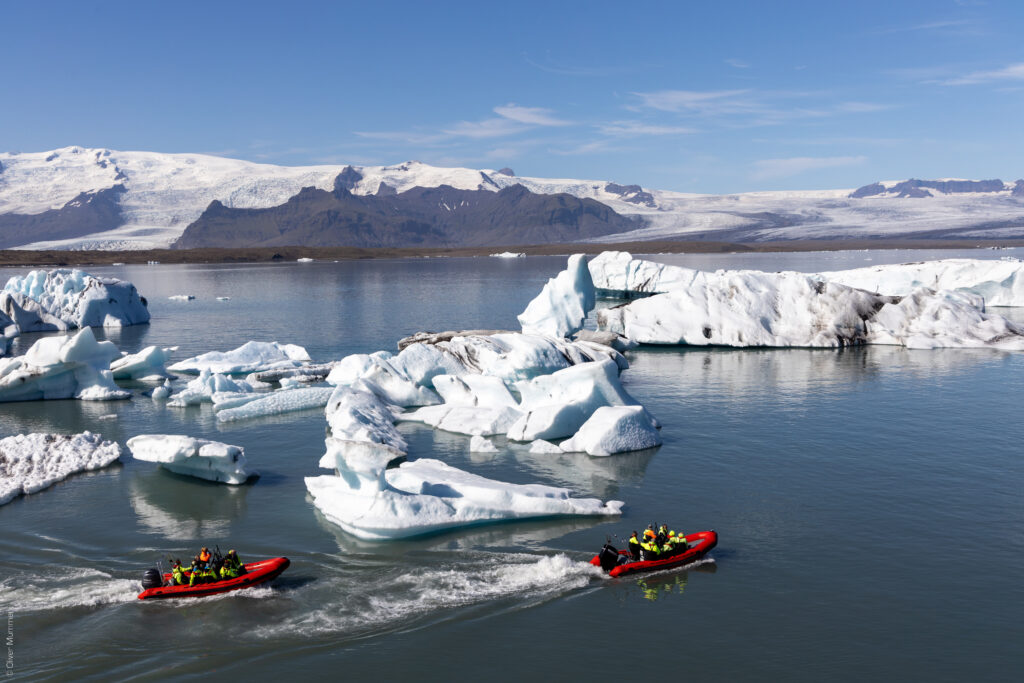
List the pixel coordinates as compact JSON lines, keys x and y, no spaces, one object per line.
{"x":688,"y":96}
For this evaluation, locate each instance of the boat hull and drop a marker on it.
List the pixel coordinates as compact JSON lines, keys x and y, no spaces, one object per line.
{"x":255,"y":574}
{"x":706,"y":540}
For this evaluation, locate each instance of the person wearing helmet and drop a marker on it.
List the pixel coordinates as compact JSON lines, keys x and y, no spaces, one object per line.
{"x":177,"y":574}
{"x":634,"y":546}
{"x":649,"y":546}
{"x":233,"y":560}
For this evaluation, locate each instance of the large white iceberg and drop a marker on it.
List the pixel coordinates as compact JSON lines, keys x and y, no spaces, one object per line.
{"x":613,"y":429}
{"x":62,"y":367}
{"x":563,"y":304}
{"x":751,"y":308}
{"x":426,"y":496}
{"x":149,"y":363}
{"x":1000,"y":282}
{"x":32,"y":462}
{"x":211,"y":460}
{"x":63,"y":299}
{"x":480,"y":405}
{"x":376,"y":372}
{"x":252,"y":356}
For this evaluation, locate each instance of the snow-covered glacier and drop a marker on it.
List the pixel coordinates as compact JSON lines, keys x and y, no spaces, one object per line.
{"x":32,"y":462}
{"x":210,"y":460}
{"x":63,"y":299}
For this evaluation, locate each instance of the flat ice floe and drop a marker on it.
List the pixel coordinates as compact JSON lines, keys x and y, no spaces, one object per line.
{"x":426,"y":496}
{"x":203,"y":388}
{"x":32,"y":462}
{"x":210,"y":460}
{"x":252,"y":356}
{"x":62,"y":367}
{"x":751,"y":308}
{"x":63,"y":299}
{"x":277,"y":403}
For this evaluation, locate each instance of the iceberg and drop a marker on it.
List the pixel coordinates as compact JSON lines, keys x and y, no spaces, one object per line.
{"x":509,"y":254}
{"x":62,"y":367}
{"x":563,"y":304}
{"x":277,"y":403}
{"x":149,"y":363}
{"x":210,"y":460}
{"x":206,"y":385}
{"x":182,"y":297}
{"x":64,"y":299}
{"x":751,"y":308}
{"x":426,"y":496}
{"x":375,"y":372}
{"x":557,"y":405}
{"x":32,"y":462}
{"x":542,"y":447}
{"x":999,"y":282}
{"x":614,"y":429}
{"x":250,"y":357}
{"x":479,"y":444}
{"x":357,"y":415}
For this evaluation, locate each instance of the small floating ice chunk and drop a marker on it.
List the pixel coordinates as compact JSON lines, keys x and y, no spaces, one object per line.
{"x":278,"y":402}
{"x":182,"y":297}
{"x":32,"y":462}
{"x":479,"y":444}
{"x":304,"y":259}
{"x":211,"y":460}
{"x":202,"y":389}
{"x":223,"y":298}
{"x":162,"y":392}
{"x":614,"y":429}
{"x":544,"y":447}
{"x":509,"y":254}
{"x":563,"y":304}
{"x":252,"y":356}
{"x":62,"y":367}
{"x":149,"y":363}
{"x":427,"y":496}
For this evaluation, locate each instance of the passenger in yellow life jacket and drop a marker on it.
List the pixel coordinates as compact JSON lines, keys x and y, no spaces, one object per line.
{"x":177,"y":574}
{"x":232,"y":560}
{"x":648,"y":545}
{"x":197,"y":572}
{"x":634,"y":546}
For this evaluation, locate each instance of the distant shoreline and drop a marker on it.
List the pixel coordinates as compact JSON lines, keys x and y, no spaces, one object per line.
{"x":284,"y":254}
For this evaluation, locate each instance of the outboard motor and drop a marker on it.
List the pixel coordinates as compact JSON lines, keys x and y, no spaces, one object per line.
{"x":151,"y":578}
{"x":609,"y":557}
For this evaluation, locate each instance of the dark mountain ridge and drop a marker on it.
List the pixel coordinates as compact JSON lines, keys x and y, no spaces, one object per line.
{"x":422,"y":216}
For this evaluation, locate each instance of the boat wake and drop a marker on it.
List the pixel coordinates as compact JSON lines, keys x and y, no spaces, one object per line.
{"x":63,"y":587}
{"x":422,"y":592}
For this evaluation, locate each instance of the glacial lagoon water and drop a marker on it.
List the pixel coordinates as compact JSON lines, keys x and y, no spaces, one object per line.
{"x":870,"y":506}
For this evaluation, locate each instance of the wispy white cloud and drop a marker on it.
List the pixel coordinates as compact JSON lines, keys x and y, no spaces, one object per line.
{"x":534,"y":116}
{"x":948,"y":26}
{"x":709,"y":101}
{"x":633,"y":128}
{"x":583,"y":148}
{"x":488,"y":128}
{"x":1013,"y":72}
{"x":785,"y":168}
{"x":737,"y":63}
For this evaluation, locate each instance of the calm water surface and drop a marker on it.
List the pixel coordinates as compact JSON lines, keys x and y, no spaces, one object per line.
{"x":870,"y":506}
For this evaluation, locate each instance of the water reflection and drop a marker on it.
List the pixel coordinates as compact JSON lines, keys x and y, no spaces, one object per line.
{"x":184,"y":508}
{"x":598,"y":476}
{"x":662,"y":585}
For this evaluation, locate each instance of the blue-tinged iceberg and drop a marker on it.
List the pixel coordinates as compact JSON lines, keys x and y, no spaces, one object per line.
{"x":32,"y":462}
{"x":210,"y":460}
{"x":64,"y":299}
{"x":563,"y":303}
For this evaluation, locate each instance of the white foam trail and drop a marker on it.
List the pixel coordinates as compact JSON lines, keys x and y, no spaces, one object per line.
{"x":64,"y":587}
{"x":429,"y":590}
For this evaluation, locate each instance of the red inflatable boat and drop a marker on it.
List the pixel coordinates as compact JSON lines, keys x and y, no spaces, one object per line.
{"x":700,"y":543}
{"x":255,"y":574}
